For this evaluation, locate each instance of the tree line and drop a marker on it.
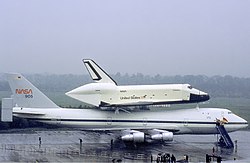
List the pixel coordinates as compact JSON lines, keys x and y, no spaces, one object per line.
{"x":216,"y":86}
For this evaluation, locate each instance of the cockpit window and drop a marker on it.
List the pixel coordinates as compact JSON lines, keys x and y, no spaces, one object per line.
{"x":229,"y":112}
{"x":190,"y":87}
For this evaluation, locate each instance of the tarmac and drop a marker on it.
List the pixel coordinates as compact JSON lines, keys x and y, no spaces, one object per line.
{"x":63,"y":145}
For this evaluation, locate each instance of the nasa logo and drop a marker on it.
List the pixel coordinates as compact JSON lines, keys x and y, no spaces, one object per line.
{"x":24,"y":91}
{"x":27,"y":92}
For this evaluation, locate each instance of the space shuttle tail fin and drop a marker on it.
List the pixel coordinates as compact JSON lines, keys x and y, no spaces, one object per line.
{"x":97,"y":73}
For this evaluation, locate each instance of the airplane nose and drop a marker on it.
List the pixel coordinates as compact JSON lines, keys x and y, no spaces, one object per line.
{"x":244,"y":122}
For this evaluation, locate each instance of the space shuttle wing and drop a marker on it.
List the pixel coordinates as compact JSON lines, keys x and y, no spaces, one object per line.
{"x":140,"y":103}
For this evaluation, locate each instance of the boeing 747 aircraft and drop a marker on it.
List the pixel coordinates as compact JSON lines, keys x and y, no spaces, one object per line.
{"x":139,"y":126}
{"x":106,"y":93}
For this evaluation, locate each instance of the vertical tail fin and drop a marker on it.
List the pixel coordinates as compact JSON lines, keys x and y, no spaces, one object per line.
{"x":97,"y":73}
{"x":26,"y":94}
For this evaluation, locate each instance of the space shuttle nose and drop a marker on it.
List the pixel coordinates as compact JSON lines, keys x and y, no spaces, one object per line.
{"x":205,"y":97}
{"x":201,"y":97}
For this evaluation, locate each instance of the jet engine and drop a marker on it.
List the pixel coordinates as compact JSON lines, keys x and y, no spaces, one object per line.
{"x":136,"y":137}
{"x":161,"y":135}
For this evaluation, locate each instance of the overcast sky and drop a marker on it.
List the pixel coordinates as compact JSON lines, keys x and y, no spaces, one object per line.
{"x":166,"y":37}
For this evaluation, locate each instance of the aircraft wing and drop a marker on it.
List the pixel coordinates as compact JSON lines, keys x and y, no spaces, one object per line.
{"x":142,"y":134}
{"x":143,"y":129}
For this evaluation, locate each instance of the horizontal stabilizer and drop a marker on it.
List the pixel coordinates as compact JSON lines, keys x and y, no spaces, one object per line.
{"x":29,"y":113}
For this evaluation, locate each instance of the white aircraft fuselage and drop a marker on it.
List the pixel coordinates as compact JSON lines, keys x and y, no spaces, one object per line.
{"x":188,"y":121}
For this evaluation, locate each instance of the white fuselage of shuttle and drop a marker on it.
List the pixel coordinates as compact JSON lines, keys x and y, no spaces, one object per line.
{"x":109,"y":94}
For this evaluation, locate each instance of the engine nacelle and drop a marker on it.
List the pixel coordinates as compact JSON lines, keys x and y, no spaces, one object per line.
{"x":166,"y":136}
{"x":136,"y":137}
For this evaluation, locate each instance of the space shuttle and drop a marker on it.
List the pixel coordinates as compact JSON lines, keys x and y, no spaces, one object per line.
{"x":104,"y":92}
